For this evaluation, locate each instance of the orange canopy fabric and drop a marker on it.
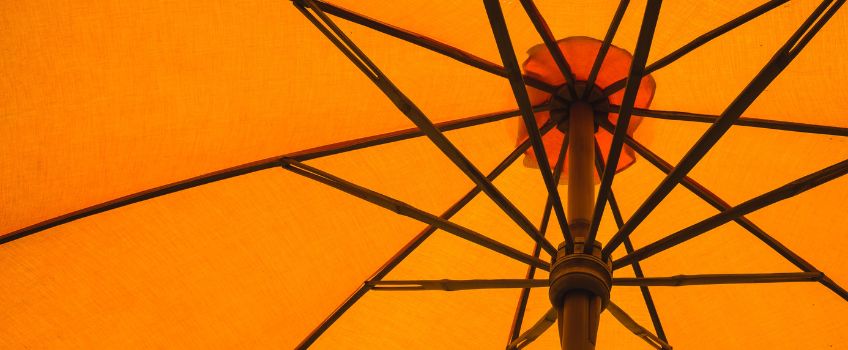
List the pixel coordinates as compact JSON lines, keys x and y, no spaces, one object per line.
{"x":103,"y":99}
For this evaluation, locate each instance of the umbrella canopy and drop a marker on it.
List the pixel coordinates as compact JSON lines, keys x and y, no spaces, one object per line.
{"x":143,"y":202}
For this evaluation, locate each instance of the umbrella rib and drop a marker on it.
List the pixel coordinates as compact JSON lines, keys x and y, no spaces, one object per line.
{"x":699,"y":41}
{"x":721,"y":205}
{"x":268,"y":163}
{"x":637,"y":268}
{"x":742,"y":121}
{"x":428,"y":43}
{"x":631,"y":324}
{"x":602,"y":52}
{"x":524,"y":296}
{"x":534,"y":332}
{"x":789,"y":190}
{"x":710,"y":279}
{"x":408,"y":108}
{"x":449,"y":285}
{"x":816,"y":27}
{"x":550,"y":42}
{"x":646,"y":292}
{"x":501,"y":34}
{"x":406,"y":134}
{"x":769,"y":72}
{"x":141,"y":196}
{"x":415,"y":242}
{"x":405,"y":209}
{"x":640,"y":57}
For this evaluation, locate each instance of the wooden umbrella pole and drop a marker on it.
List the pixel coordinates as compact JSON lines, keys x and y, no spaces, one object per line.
{"x":580,"y":312}
{"x":581,"y":167}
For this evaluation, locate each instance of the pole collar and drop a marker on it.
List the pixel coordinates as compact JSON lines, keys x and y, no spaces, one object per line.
{"x":588,"y":272}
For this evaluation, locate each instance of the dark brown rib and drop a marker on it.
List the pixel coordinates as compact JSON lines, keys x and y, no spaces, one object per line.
{"x":499,"y":30}
{"x":628,"y":322}
{"x":637,"y":268}
{"x":518,"y":318}
{"x":141,"y":196}
{"x":539,"y":328}
{"x":697,"y":280}
{"x":551,"y":43}
{"x":455,"y":285}
{"x":405,"y":209}
{"x":405,"y":134}
{"x":699,"y":41}
{"x":637,"y":66}
{"x":605,"y":45}
{"x":646,"y":293}
{"x":428,"y":43}
{"x":742,"y":121}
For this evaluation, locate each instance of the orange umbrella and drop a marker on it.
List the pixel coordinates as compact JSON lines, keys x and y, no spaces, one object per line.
{"x":144,"y":204}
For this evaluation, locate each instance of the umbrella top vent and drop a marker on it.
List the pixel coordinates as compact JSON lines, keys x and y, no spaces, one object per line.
{"x":604,"y":96}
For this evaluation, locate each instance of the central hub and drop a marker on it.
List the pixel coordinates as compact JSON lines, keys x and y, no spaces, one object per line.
{"x":562,"y":101}
{"x":580,"y":272}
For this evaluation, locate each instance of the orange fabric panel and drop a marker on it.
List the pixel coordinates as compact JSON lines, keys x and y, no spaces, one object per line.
{"x":232,"y":264}
{"x":108,"y":98}
{"x":227,"y":265}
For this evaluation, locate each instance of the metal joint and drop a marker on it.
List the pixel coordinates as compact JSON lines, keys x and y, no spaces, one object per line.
{"x":573,"y":271}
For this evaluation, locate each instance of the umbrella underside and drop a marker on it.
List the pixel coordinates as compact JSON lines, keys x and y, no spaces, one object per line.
{"x":736,"y":207}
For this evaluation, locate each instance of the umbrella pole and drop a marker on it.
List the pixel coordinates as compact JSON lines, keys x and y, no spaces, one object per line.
{"x":580,"y":307}
{"x":581,"y":168}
